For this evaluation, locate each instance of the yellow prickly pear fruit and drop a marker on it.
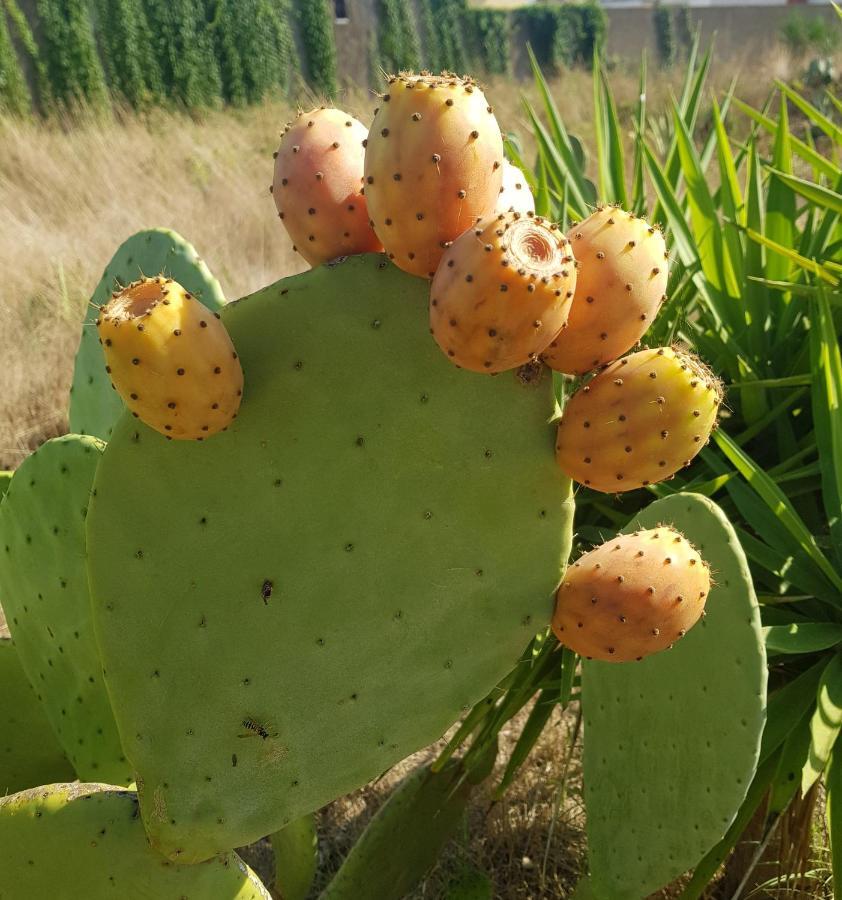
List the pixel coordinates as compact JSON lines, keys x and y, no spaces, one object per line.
{"x":317,"y":186}
{"x":433,"y":165}
{"x":632,"y":596}
{"x":501,"y":292}
{"x":514,"y":192}
{"x":638,"y":421}
{"x":621,"y":283}
{"x":170,"y":359}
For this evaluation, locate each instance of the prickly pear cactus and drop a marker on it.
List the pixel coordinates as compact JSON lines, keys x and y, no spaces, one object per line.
{"x":29,"y":752}
{"x":44,"y":593}
{"x":94,"y":406}
{"x":671,"y":743}
{"x":83,"y":841}
{"x":5,"y":479}
{"x":377,"y":533}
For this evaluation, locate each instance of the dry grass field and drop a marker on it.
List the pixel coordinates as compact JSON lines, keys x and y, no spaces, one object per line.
{"x":72,"y":191}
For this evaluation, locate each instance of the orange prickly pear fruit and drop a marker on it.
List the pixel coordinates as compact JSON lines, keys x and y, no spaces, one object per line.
{"x":317,"y":186}
{"x":433,"y":165}
{"x":621,"y":284}
{"x":632,"y":596}
{"x":171,"y":359}
{"x":638,"y":421}
{"x":501,"y":292}
{"x":514,"y":192}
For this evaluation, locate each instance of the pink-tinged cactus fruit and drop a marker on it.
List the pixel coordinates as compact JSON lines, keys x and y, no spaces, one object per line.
{"x":515,"y":194}
{"x":621,"y":284}
{"x":433,"y":166}
{"x":317,"y":186}
{"x":632,"y":596}
{"x":501,"y":292}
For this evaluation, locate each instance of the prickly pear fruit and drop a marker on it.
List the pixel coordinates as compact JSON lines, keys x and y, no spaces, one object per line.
{"x":501,"y":292}
{"x":433,"y":165}
{"x":514,"y":192}
{"x":84,"y":841}
{"x":94,"y":406}
{"x":170,"y":359}
{"x":632,"y":596}
{"x":638,"y":421}
{"x":317,"y":186}
{"x":621,"y":283}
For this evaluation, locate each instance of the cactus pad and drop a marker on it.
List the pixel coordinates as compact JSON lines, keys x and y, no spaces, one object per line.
{"x":672,"y":742}
{"x":29,"y":752}
{"x":94,"y":406}
{"x":359,"y":558}
{"x":44,"y":592}
{"x":84,"y":841}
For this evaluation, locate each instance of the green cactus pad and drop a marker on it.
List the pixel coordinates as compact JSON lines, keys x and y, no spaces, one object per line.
{"x":671,"y":743}
{"x":44,"y":593}
{"x":86,"y":841}
{"x":325,"y":587}
{"x":29,"y":752}
{"x":94,"y":406}
{"x":5,"y":480}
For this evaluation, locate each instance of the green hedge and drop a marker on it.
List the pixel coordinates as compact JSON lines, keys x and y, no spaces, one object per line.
{"x":183,"y":46}
{"x":664,"y":34}
{"x":449,"y":17}
{"x":253,"y":43}
{"x":130,"y":65}
{"x":14,"y":94}
{"x":490,"y":31}
{"x":397,"y":36}
{"x":563,"y":35}
{"x":70,"y":53}
{"x":316,"y":23}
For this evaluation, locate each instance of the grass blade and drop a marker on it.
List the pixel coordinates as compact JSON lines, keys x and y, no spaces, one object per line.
{"x":779,"y":504}
{"x":814,"y":193}
{"x":825,"y":724}
{"x":805,"y":151}
{"x":826,"y":363}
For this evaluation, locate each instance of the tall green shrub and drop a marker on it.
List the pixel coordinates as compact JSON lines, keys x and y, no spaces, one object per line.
{"x":130,"y":64}
{"x":593,"y":30}
{"x":563,"y":34}
{"x":73,"y":65}
{"x":22,"y":35}
{"x":181,"y":39}
{"x":449,"y":17}
{"x":683,"y":28}
{"x":430,"y":44}
{"x":254,"y":46}
{"x":664,"y":34}
{"x":14,"y":94}
{"x":316,"y":23}
{"x":397,"y":37}
{"x":489,"y":29}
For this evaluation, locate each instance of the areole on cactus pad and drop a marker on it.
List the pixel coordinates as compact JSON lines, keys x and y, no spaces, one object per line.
{"x":401,"y":527}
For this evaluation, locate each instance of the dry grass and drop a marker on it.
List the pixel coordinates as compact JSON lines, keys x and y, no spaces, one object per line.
{"x":71,"y":194}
